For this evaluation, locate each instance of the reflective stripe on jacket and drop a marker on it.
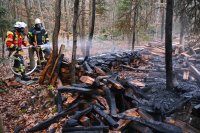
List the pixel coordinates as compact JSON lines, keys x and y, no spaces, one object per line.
{"x":15,"y":39}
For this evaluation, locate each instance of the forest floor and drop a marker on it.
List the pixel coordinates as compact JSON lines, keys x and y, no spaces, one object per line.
{"x":27,"y":105}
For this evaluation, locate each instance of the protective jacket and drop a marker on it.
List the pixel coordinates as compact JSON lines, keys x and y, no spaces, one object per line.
{"x":38,"y":37}
{"x":15,"y":39}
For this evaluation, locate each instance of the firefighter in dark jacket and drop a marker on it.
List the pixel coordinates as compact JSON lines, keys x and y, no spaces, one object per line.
{"x":37,"y":37}
{"x":14,"y":41}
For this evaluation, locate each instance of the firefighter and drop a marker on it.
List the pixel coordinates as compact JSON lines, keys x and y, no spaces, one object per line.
{"x":14,"y":41}
{"x":38,"y":36}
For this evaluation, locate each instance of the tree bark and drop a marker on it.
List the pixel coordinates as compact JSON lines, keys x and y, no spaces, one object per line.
{"x":168,"y":44}
{"x":134,"y":24}
{"x":82,"y":27}
{"x":182,"y":28}
{"x":40,"y":9}
{"x":66,"y":16}
{"x":3,"y":45}
{"x":91,"y":29}
{"x":14,"y":9}
{"x":1,"y":125}
{"x":56,"y":29}
{"x":28,"y":13}
{"x":73,"y":62}
{"x":163,"y":20}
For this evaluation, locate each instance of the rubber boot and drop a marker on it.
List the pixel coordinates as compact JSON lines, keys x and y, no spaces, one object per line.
{"x":25,"y":77}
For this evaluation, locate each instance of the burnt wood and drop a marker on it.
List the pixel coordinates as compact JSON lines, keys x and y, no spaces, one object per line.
{"x":135,"y":89}
{"x":111,"y":100}
{"x":158,"y":126}
{"x":59,"y":102}
{"x":74,"y":120}
{"x":109,"y":119}
{"x":45,"y":124}
{"x":73,"y":89}
{"x":83,"y":129}
{"x":115,"y":84}
{"x":140,"y":128}
{"x":87,"y":68}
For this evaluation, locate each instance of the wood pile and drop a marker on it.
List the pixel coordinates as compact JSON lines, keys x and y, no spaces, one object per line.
{"x":96,"y":65}
{"x":110,"y":104}
{"x":103,"y":101}
{"x":51,"y":71}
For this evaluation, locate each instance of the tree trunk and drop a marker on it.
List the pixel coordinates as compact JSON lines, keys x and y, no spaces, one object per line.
{"x":40,"y":9}
{"x":82,"y":27}
{"x":134,"y":24}
{"x":182,"y":29}
{"x":28,"y":13}
{"x":67,"y":19}
{"x":1,"y":125}
{"x":163,"y":20}
{"x":18,"y":11}
{"x":14,"y":12}
{"x":66,"y":16}
{"x":56,"y":29}
{"x":168,"y":44}
{"x":91,"y":29}
{"x":3,"y":45}
{"x":75,"y":19}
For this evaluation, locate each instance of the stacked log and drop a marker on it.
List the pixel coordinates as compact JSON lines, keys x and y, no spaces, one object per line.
{"x":110,"y":104}
{"x":101,"y":64}
{"x":105,"y":102}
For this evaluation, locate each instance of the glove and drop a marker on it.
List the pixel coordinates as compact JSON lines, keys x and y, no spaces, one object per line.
{"x":34,"y":44}
{"x":11,"y":46}
{"x":19,"y":49}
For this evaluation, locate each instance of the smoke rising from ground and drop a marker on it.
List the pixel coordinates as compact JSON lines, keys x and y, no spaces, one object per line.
{"x":98,"y":46}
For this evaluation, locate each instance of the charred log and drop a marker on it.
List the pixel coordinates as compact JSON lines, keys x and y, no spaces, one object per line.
{"x":140,"y":128}
{"x":45,"y":124}
{"x":17,"y":129}
{"x":111,"y":100}
{"x":84,"y":129}
{"x":135,"y":89}
{"x":109,"y":119}
{"x":158,"y":126}
{"x":115,"y":84}
{"x":74,"y":120}
{"x":87,"y":68}
{"x":73,"y":89}
{"x":119,"y":96}
{"x":59,"y":102}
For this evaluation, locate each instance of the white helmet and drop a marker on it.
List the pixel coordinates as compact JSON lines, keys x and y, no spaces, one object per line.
{"x":23,"y":25}
{"x":37,"y":21}
{"x":20,"y":24}
{"x":17,"y":24}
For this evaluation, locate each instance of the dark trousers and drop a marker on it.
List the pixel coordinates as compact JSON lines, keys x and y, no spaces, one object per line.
{"x":19,"y":63}
{"x":40,"y":55}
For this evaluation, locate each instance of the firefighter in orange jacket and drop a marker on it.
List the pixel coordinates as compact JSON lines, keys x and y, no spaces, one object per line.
{"x":14,"y":41}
